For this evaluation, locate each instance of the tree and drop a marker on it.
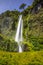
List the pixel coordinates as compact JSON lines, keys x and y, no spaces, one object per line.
{"x":22,"y":6}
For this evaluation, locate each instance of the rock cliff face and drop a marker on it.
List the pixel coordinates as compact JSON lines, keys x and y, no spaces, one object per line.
{"x":37,"y":6}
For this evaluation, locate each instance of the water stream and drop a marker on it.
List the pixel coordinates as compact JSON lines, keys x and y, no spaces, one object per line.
{"x":18,"y":37}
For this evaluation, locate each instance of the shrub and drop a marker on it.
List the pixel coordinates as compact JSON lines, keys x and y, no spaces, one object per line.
{"x":25,"y":58}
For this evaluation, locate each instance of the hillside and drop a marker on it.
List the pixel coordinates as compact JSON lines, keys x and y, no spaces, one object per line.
{"x":32,"y":30}
{"x":8,"y":22}
{"x":33,"y":25}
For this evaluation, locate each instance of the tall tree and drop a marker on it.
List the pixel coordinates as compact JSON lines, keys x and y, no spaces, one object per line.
{"x":22,"y":6}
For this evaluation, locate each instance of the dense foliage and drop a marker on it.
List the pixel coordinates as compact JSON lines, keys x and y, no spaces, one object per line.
{"x":29,"y":58}
{"x":7,"y":44}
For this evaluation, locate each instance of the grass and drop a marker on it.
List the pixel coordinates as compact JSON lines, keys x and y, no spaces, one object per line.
{"x":25,"y":58}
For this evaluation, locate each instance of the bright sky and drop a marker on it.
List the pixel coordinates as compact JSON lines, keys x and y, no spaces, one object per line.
{"x":12,"y":4}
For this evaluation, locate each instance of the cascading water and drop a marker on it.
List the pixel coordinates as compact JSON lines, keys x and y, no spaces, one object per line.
{"x":18,"y":37}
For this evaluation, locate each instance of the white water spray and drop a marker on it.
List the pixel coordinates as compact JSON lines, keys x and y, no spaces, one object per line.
{"x":18,"y":37}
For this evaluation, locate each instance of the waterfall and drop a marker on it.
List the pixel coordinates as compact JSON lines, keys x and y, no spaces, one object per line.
{"x":18,"y":37}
